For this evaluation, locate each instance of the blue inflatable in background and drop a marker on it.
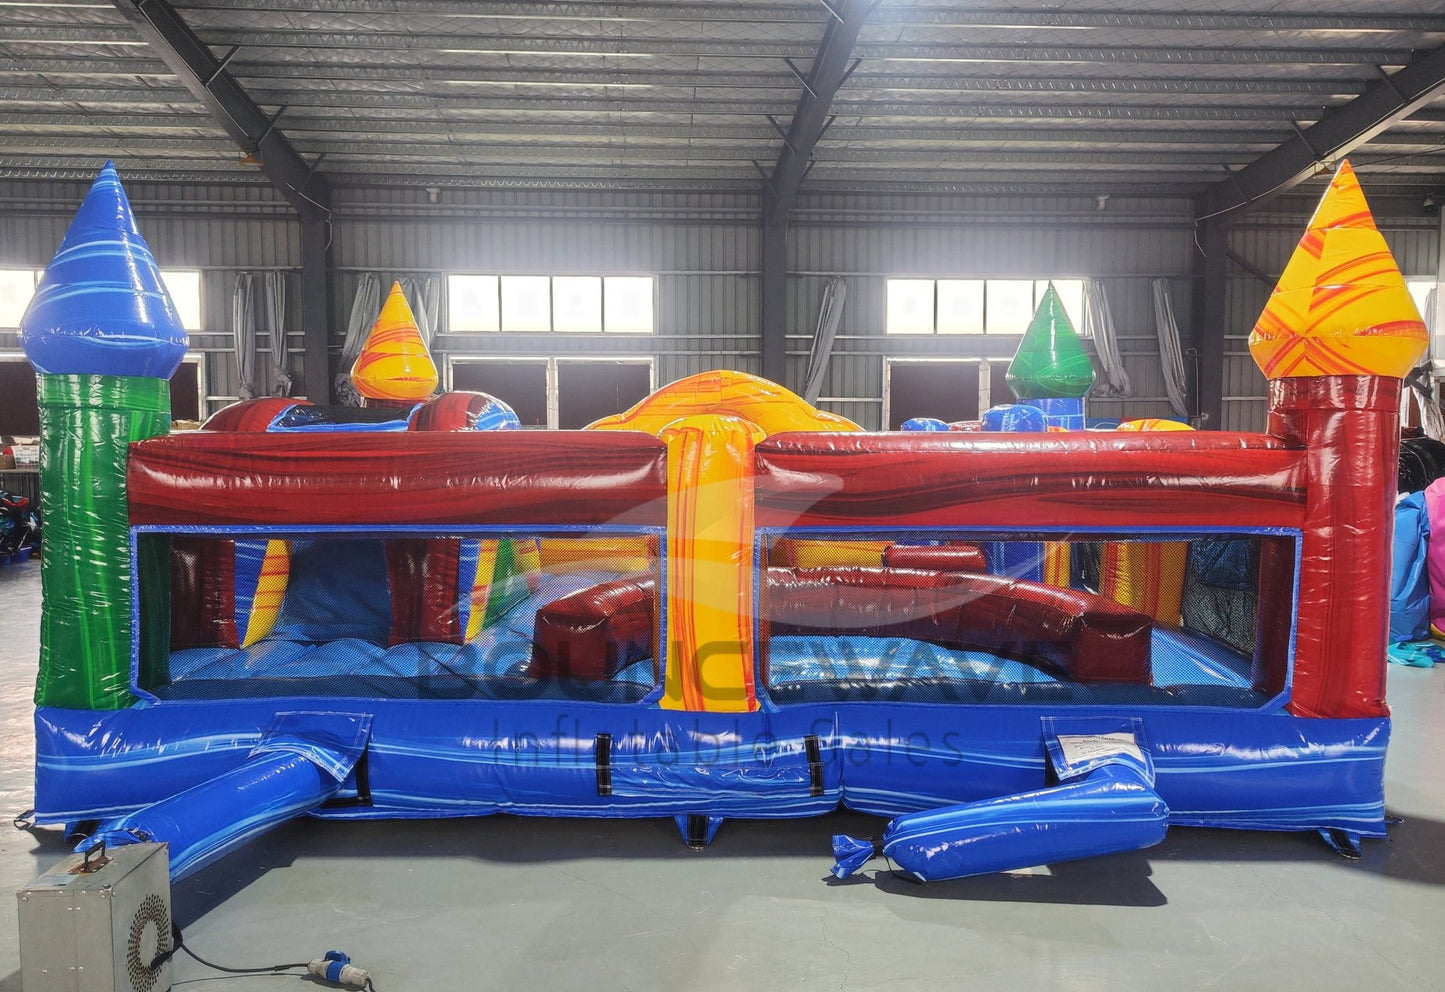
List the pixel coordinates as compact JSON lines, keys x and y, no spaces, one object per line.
{"x":1015,"y":418}
{"x":924,"y":424}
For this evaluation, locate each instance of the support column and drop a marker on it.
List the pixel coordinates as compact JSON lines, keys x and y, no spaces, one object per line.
{"x":316,"y":304}
{"x":775,"y":298}
{"x":1210,"y":324}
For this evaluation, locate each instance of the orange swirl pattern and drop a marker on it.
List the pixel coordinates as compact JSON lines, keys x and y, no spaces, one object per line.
{"x":710,"y":570}
{"x":1341,"y":306}
{"x":773,"y":409}
{"x":394,"y":364}
{"x":710,"y":423}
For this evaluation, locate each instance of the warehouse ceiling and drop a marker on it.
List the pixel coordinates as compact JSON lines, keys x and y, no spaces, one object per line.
{"x":1102,"y":96}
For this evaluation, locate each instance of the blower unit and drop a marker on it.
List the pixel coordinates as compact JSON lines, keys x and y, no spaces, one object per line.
{"x":97,"y":921}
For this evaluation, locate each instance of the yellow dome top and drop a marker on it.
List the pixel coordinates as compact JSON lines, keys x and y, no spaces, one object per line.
{"x":763,"y":404}
{"x":394,"y":364}
{"x":1341,"y":306}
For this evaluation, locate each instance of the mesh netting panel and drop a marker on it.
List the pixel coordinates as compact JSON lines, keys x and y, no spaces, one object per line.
{"x":373,"y":618}
{"x":1220,"y":591}
{"x":1193,"y":603}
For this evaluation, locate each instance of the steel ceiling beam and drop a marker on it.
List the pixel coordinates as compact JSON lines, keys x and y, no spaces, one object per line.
{"x":605,"y":45}
{"x":207,"y":79}
{"x":405,"y":149}
{"x":832,"y":64}
{"x":82,"y":168}
{"x":408,"y":149}
{"x":923,"y":83}
{"x":1335,"y":135}
{"x":900,"y":15}
{"x":341,"y":128}
{"x":1272,"y":112}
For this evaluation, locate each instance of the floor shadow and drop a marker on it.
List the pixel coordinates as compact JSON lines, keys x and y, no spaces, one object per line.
{"x":1113,"y":880}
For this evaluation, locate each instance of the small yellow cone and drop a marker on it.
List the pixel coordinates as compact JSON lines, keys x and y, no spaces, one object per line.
{"x":394,"y":363}
{"x":1341,"y":306}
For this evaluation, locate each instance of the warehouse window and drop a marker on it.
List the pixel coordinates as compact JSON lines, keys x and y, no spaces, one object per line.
{"x":555,"y":393}
{"x":974,"y":306}
{"x":1420,"y":289}
{"x":184,"y":285}
{"x":17,"y":286}
{"x":562,"y":304}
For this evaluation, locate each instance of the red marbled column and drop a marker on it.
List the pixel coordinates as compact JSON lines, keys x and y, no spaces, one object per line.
{"x":1349,"y":427}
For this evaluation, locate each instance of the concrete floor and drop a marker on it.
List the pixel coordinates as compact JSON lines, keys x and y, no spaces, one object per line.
{"x":512,"y":904}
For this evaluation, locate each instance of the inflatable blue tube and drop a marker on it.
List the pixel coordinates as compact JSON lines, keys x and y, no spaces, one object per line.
{"x":930,"y":424}
{"x":299,"y":764}
{"x":1015,"y":418}
{"x":1108,"y":806}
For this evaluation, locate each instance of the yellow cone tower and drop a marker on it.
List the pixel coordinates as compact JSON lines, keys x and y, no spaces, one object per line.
{"x":1336,"y":337}
{"x":1341,"y":306}
{"x":394,"y":365}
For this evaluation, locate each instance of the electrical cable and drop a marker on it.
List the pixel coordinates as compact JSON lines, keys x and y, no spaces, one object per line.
{"x":335,"y":968}
{"x":179,"y":944}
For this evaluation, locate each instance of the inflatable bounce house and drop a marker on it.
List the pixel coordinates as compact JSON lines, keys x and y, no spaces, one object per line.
{"x":720,"y":603}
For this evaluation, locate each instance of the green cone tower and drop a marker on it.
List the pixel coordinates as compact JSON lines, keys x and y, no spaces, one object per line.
{"x":1051,"y":369}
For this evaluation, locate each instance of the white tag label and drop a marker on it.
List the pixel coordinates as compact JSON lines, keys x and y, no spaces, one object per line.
{"x":1079,"y":748}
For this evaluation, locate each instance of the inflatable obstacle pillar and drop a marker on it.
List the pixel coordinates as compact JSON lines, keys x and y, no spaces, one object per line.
{"x":104,"y":337}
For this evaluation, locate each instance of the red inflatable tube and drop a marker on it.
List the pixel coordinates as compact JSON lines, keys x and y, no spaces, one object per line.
{"x":503,"y":477}
{"x":1083,"y":636}
{"x":959,"y":556}
{"x":594,"y":633}
{"x":251,"y":416}
{"x":1129,"y":481}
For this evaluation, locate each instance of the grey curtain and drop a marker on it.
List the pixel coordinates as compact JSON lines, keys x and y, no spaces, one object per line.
{"x":1171,"y":352}
{"x":1428,"y":372}
{"x":424,"y":294}
{"x":830,"y":314}
{"x":365,"y":306}
{"x":1099,"y":325}
{"x":243,"y":330}
{"x":273,"y":311}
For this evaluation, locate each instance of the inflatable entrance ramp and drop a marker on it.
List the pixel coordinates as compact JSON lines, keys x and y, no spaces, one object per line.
{"x":1105,"y":803}
{"x":300,"y":762}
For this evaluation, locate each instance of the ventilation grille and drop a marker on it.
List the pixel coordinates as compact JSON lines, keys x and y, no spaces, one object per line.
{"x":150,"y":937}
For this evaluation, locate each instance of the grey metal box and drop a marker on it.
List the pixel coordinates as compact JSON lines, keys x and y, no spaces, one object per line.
{"x":98,"y":931}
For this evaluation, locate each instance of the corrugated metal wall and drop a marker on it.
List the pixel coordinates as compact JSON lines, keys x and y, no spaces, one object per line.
{"x":705,"y":250}
{"x":1125,"y":245}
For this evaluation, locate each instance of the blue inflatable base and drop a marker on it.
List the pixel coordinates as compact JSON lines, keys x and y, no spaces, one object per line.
{"x":1254,"y":769}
